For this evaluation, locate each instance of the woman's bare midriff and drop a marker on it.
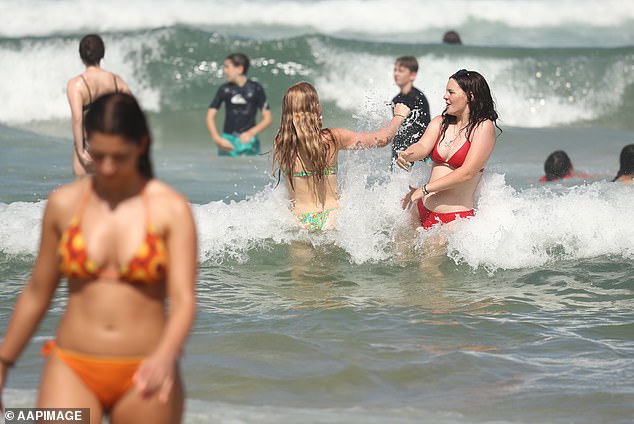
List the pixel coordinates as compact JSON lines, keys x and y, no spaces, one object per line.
{"x":456,"y":199}
{"x":112,"y":318}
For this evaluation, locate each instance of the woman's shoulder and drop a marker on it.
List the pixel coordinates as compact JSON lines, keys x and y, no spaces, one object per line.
{"x":486,"y":123}
{"x":170,"y":209}
{"x":435,"y":125}
{"x":485,"y":126}
{"x":164,"y":196}
{"x":65,"y":199}
{"x":75,"y":83}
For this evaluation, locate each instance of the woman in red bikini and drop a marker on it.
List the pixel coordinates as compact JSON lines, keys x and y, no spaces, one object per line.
{"x":82,"y":90}
{"x":126,"y":242}
{"x":459,"y":142}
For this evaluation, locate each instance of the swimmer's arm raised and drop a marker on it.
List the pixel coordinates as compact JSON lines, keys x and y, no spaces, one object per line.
{"x":350,"y":140}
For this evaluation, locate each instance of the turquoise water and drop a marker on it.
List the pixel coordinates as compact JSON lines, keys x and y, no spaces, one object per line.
{"x":527,"y":318}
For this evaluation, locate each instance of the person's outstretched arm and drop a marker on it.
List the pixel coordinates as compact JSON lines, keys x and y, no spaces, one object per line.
{"x":349,"y":140}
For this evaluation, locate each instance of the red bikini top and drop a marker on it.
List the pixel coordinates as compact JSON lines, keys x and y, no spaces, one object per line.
{"x":456,"y":160}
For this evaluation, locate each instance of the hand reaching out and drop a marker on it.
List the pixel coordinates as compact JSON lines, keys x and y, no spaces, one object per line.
{"x":403,"y":160}
{"x":401,"y":109}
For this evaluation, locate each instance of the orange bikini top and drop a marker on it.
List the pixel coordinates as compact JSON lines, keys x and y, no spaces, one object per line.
{"x":147,"y":266}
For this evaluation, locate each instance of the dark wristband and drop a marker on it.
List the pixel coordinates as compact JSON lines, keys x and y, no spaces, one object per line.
{"x":425,"y":192}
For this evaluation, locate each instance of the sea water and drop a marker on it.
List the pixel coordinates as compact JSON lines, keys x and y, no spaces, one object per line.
{"x":526,"y":318}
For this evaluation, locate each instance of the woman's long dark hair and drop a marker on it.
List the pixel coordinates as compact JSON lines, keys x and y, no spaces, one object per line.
{"x":479,"y":99}
{"x":120,"y":114}
{"x":627,"y":162}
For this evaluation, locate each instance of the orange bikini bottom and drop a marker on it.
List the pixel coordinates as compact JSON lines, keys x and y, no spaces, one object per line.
{"x":109,"y":378}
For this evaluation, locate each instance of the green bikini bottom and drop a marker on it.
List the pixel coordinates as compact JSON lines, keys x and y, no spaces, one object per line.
{"x":314,"y":221}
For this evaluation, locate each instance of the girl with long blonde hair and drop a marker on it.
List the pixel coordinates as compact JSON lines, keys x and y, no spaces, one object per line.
{"x":305,"y":154}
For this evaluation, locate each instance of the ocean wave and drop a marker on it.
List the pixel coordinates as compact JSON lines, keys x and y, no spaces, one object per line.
{"x":512,"y":228}
{"x":45,"y":98}
{"x":370,"y":17}
{"x":179,"y":68}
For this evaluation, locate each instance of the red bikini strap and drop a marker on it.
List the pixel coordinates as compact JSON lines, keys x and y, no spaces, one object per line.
{"x":440,"y":134}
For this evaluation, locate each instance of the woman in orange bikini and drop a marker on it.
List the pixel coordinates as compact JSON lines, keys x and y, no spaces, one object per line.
{"x":459,"y":142}
{"x":306,"y":154}
{"x":82,"y":90}
{"x":126,"y":242}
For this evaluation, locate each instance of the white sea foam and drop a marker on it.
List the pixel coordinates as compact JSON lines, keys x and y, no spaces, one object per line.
{"x":512,"y":229}
{"x":21,"y":226}
{"x":362,"y":82}
{"x":532,"y":227}
{"x":36,"y":17}
{"x":357,"y":81}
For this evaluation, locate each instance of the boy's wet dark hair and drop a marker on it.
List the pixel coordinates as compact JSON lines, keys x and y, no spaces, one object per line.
{"x":408,"y":62}
{"x":91,"y":49}
{"x":627,"y":162}
{"x":557,"y":165}
{"x":240,"y":59}
{"x":451,"y":37}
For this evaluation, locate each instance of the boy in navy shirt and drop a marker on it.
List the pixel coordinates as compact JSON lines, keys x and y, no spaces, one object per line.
{"x":243,"y":97}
